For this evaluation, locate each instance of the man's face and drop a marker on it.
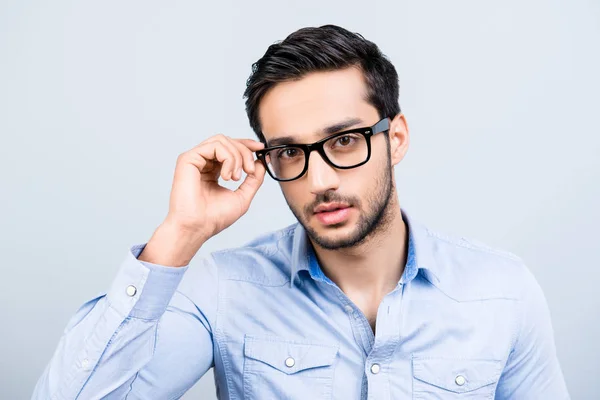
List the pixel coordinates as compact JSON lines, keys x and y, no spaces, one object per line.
{"x":303,"y":110}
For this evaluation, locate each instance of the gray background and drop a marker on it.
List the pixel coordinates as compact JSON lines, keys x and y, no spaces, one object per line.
{"x":98,"y":99}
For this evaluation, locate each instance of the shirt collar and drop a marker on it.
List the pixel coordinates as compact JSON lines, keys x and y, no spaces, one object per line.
{"x":419,"y":258}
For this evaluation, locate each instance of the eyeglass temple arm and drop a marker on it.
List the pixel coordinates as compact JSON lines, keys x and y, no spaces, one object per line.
{"x":381,"y":126}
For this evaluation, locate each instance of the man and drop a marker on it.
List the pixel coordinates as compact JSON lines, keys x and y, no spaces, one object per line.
{"x":357,"y":300}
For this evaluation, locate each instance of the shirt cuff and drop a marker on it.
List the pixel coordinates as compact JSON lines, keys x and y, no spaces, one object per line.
{"x":142,"y":289}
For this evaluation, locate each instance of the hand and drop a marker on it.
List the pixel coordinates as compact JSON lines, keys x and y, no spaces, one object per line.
{"x":199,"y":207}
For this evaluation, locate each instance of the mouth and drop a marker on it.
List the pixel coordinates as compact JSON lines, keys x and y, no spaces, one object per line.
{"x":332,"y":213}
{"x":330,"y":207}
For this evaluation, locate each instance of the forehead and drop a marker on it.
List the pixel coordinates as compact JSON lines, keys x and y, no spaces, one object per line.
{"x":304,"y":107}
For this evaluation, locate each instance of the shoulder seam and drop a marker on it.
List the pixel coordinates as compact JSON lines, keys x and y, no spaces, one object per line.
{"x":278,"y":236}
{"x":468,"y":244}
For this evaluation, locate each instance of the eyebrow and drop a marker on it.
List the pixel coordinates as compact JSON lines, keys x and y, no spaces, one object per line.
{"x":328,"y":130}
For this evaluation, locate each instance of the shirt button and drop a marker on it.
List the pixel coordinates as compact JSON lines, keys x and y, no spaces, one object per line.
{"x":131,"y":290}
{"x":348,"y":308}
{"x":290,"y":362}
{"x":460,"y":380}
{"x":375,"y":368}
{"x":85,"y":363}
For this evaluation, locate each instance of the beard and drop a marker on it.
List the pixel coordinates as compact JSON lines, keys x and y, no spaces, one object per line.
{"x":375,"y":219}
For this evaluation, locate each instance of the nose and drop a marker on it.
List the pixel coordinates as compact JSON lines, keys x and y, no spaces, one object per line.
{"x":321,"y":176}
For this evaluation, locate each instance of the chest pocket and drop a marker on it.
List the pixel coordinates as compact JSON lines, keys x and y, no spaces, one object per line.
{"x":276,"y":368}
{"x":455,"y":378}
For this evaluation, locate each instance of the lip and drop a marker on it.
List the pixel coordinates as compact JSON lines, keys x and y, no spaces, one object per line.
{"x":329,"y":207}
{"x":332,"y":213}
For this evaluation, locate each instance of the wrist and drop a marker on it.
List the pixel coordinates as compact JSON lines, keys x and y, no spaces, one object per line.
{"x":172,"y":245}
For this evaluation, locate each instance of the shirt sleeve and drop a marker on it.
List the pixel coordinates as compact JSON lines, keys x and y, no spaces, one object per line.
{"x":142,"y":337}
{"x":532,"y":370}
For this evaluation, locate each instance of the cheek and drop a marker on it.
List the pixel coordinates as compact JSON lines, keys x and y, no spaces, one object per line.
{"x":367,"y":189}
{"x":367,"y":176}
{"x":294,"y":193}
{"x":366,"y":184}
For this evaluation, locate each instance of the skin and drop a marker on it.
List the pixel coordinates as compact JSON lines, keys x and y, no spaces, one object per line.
{"x":364,"y":256}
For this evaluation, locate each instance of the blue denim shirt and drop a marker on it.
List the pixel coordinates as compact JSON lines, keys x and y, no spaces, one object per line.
{"x":465,"y":321}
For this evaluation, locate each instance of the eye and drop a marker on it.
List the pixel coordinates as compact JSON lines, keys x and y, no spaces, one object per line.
{"x":289,"y":152}
{"x":344,"y":141}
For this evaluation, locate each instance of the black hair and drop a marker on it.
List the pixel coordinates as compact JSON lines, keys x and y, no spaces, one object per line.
{"x":326,"y":48}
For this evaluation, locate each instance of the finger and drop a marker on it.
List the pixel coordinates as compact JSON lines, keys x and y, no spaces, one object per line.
{"x":237,"y":158}
{"x":247,"y":156}
{"x":204,"y":159}
{"x":228,"y":142}
{"x":251,"y":144}
{"x":251,"y":184}
{"x":218,"y":151}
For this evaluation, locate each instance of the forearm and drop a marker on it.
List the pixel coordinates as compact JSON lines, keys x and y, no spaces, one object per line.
{"x":111,"y":337}
{"x":172,"y":245}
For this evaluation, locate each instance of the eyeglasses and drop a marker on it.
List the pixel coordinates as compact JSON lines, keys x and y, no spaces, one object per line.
{"x":342,"y":150}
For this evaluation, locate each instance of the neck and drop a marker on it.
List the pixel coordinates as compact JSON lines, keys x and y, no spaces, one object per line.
{"x":374,"y":267}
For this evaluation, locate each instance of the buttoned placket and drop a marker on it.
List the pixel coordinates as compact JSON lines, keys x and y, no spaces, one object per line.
{"x":379,"y":347}
{"x":385,"y":341}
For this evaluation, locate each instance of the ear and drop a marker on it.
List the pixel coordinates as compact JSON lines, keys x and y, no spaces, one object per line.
{"x":399,"y":138}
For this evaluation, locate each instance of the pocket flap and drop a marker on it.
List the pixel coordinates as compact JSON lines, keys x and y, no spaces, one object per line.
{"x":457,"y":374}
{"x":304,"y":354}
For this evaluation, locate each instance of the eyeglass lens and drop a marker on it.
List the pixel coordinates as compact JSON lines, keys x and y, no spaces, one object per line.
{"x":347,"y":150}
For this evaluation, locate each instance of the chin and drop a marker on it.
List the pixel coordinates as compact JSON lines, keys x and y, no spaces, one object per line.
{"x":334,"y":237}
{"x":344,"y":228}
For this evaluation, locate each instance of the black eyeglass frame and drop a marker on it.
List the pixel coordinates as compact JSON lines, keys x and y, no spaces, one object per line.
{"x":382,"y":125}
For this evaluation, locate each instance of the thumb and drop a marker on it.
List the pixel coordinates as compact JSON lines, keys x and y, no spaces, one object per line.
{"x":251,"y":183}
